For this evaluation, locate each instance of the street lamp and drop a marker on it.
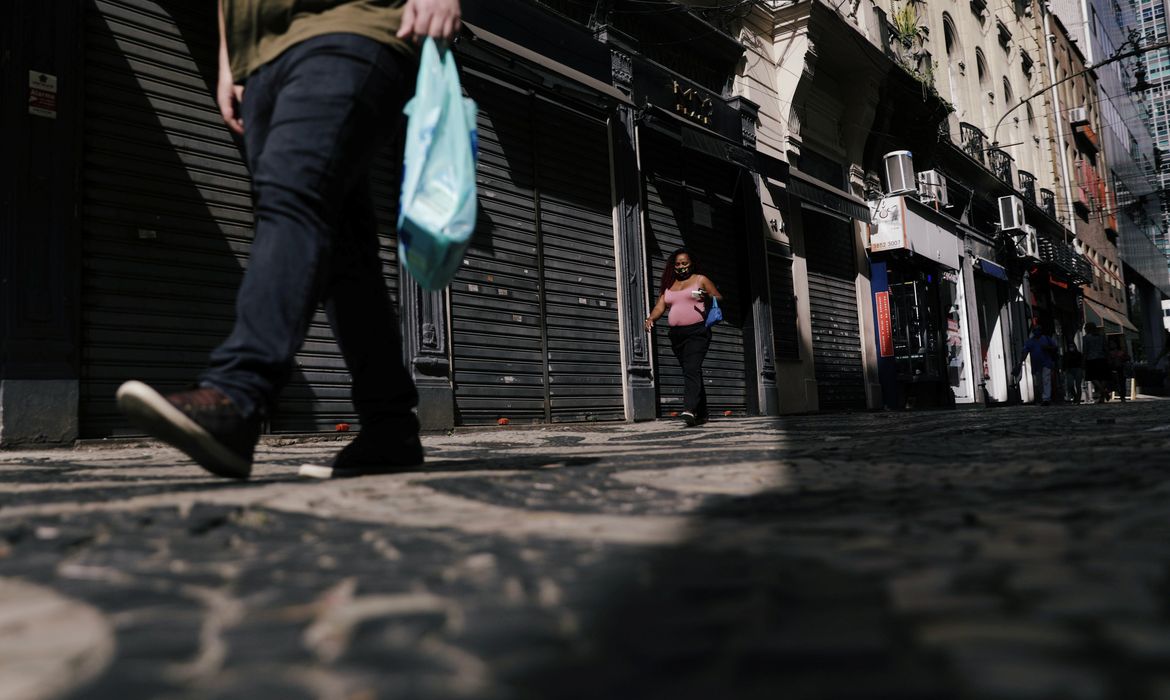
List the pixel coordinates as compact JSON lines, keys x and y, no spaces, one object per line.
{"x":1139,"y":74}
{"x":1140,"y":85}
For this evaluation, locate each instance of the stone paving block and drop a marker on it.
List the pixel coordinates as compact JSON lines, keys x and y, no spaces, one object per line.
{"x":918,"y":555}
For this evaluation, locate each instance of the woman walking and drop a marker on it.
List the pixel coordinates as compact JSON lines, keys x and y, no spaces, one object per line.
{"x":686,"y":293}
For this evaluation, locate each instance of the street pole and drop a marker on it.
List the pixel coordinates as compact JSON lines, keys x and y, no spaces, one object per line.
{"x":1112,"y":59}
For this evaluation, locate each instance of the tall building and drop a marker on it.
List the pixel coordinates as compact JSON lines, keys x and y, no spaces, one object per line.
{"x":1150,"y":20}
{"x":1102,"y":30}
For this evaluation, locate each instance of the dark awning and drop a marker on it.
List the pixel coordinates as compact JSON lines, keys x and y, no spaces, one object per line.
{"x":824,"y":195}
{"x":1109,"y":320}
{"x":718,"y":148}
{"x":991,"y":269}
{"x":535,"y":58}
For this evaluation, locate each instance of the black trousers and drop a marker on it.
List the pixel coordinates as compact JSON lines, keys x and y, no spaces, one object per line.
{"x":314,"y":117}
{"x":689,"y":344}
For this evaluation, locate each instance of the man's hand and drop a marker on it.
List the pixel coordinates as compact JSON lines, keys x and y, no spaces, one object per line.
{"x":434,"y":18}
{"x":230,"y":97}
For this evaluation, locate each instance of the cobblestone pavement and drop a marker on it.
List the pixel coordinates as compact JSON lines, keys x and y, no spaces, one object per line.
{"x":1006,"y":553}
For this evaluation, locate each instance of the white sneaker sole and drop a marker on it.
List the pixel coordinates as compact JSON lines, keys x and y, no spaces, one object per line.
{"x":150,"y":411}
{"x":315,"y":471}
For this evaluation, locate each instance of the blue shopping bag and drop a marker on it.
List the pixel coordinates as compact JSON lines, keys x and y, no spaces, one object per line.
{"x":436,"y":214}
{"x":714,"y":314}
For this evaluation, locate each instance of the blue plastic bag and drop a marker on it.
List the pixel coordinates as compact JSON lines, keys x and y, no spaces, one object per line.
{"x":714,"y":314}
{"x":436,"y":214}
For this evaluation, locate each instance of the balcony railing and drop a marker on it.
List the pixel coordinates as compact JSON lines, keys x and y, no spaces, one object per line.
{"x":1048,"y":202}
{"x":1027,"y":185}
{"x":1001,"y":165}
{"x":973,"y":141}
{"x":1066,"y":260}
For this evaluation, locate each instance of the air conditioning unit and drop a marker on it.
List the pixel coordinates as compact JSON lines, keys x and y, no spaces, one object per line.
{"x":1027,"y":243}
{"x":1078,"y":115}
{"x":932,"y":187}
{"x":899,"y":167}
{"x":1011,"y":213}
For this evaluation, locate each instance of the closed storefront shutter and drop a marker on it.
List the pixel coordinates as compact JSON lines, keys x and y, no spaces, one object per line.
{"x":167,"y":219}
{"x":497,"y":337}
{"x":534,"y":313}
{"x":833,"y":310}
{"x":689,"y":205}
{"x":577,"y":251}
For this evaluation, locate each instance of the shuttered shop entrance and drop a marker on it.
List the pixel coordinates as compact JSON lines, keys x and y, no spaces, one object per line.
{"x":833,"y":309}
{"x":533,"y":308}
{"x":167,"y":219}
{"x":689,"y":205}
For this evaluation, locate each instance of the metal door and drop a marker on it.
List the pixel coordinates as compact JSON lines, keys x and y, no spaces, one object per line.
{"x":168,"y":219}
{"x":689,"y":204}
{"x":833,"y":311}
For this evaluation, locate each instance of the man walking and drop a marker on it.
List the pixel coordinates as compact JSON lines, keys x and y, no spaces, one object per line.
{"x":1041,"y":349}
{"x":314,"y":89}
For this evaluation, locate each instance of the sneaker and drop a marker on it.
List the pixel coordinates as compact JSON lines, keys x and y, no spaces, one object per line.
{"x":368,"y":457}
{"x":689,"y":418}
{"x":203,"y":423}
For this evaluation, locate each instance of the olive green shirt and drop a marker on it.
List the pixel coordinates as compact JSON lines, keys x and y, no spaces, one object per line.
{"x":257,"y":31}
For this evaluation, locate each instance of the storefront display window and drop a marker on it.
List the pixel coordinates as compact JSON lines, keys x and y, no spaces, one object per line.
{"x":915,"y":324}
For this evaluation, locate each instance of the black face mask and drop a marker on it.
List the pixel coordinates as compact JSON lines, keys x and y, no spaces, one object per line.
{"x":682,"y":272}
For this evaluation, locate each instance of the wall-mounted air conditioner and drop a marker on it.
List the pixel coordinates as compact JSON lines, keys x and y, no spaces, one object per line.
{"x":932,"y":187}
{"x":1027,"y":244}
{"x":899,"y":171}
{"x":1011,"y":213}
{"x":1078,"y":115}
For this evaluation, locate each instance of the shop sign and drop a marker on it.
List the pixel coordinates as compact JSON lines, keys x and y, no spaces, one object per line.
{"x":884,"y":325}
{"x":693,"y":104}
{"x":887,"y":224}
{"x":42,"y":94}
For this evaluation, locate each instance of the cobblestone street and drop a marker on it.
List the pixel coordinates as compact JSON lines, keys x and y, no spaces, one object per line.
{"x":1014,"y":552}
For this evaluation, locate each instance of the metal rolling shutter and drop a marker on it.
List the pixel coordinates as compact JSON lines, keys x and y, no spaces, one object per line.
{"x":782,"y":290}
{"x":577,"y":257}
{"x":833,"y":310}
{"x":672,"y":224}
{"x":496,"y":307}
{"x":167,"y":218}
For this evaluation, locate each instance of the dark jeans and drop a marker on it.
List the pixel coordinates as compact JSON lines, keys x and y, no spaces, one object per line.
{"x":689,"y":344}
{"x":313,"y":119}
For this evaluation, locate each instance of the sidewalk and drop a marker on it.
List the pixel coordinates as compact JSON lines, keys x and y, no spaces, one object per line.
{"x":1020,"y":552}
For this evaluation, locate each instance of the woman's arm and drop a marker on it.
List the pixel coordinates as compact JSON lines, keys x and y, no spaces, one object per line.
{"x":655,"y":313}
{"x":709,"y":287}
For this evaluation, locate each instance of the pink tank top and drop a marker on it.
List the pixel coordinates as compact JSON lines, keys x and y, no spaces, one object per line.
{"x":685,"y":310}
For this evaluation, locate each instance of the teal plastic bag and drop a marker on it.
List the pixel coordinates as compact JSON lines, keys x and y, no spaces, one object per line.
{"x":436,"y":214}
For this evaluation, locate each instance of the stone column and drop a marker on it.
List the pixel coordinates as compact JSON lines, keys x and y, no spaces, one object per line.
{"x":425,"y":351}
{"x":640,"y":399}
{"x":40,"y":230}
{"x":765,"y":396}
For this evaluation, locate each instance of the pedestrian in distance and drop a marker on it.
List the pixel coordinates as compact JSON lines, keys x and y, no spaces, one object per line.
{"x":1039,"y":348}
{"x":1120,"y":367}
{"x":687,"y":295}
{"x":313,"y":89}
{"x":1072,"y":364}
{"x":1096,"y":363}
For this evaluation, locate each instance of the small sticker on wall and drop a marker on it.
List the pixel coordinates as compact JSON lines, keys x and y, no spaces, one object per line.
{"x":582,"y":300}
{"x":473,"y":287}
{"x":517,"y":318}
{"x":42,"y":94}
{"x":502,"y":292}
